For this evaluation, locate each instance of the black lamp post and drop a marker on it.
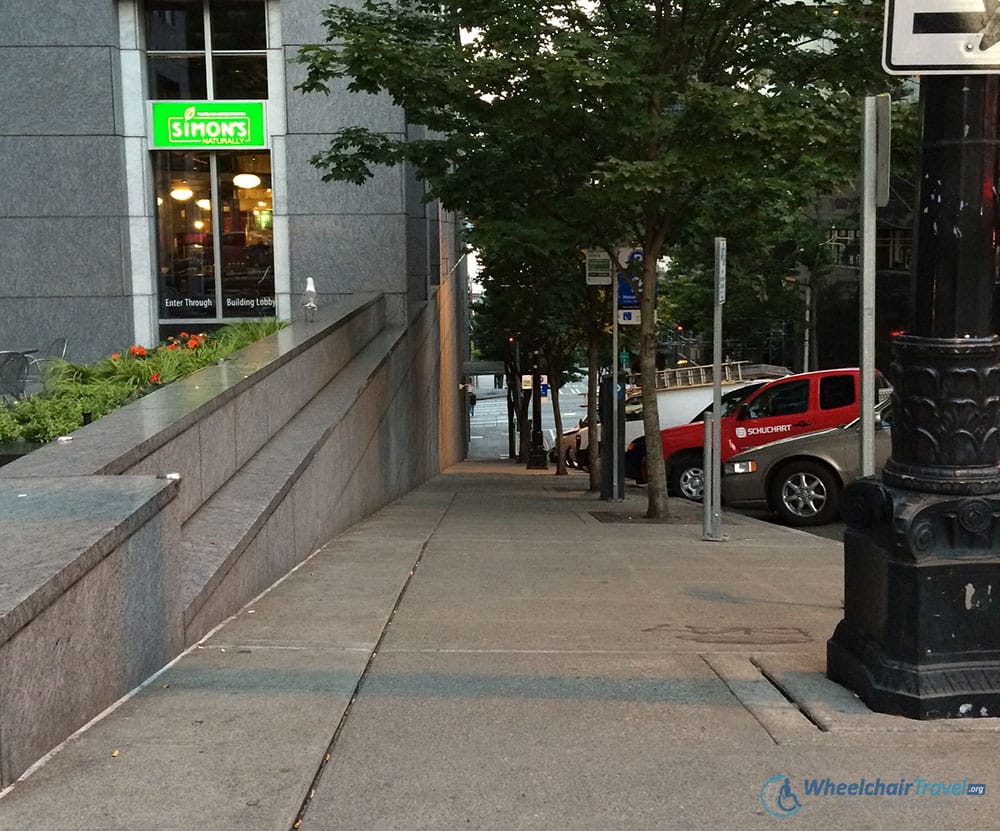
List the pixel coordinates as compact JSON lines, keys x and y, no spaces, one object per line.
{"x":921,"y":630}
{"x":536,"y":452}
{"x":513,"y":366}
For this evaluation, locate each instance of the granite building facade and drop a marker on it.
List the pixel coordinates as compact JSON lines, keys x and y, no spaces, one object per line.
{"x":155,"y":176}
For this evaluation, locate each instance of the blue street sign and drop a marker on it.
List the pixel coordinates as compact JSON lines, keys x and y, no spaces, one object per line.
{"x":627,"y":298}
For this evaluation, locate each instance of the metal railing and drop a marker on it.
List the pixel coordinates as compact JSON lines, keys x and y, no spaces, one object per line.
{"x":697,"y":375}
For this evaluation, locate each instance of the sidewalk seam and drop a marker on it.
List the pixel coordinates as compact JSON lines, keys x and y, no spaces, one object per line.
{"x":328,"y":755}
{"x":781,"y":689}
{"x":743,"y":704}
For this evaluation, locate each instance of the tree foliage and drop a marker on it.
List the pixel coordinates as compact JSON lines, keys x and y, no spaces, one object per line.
{"x":639,"y":123}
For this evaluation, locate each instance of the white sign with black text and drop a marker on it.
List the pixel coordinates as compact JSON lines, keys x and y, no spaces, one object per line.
{"x":941,"y":37}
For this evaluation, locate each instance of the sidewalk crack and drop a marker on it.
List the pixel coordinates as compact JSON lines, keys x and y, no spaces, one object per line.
{"x":328,"y":755}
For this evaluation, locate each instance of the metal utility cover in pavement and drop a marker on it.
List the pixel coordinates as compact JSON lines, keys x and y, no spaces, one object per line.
{"x":942,"y":37}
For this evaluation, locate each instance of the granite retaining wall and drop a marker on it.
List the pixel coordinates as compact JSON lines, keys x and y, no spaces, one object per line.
{"x":128,"y":543}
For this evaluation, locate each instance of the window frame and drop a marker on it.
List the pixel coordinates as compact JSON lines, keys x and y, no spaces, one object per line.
{"x":208,"y":53}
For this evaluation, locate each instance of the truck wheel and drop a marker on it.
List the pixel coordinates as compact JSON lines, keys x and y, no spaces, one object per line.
{"x":687,"y":476}
{"x":805,"y":493}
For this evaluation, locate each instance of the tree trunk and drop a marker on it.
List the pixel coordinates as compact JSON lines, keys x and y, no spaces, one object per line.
{"x":656,"y":489}
{"x":554,"y":361}
{"x":593,"y":430}
{"x":514,"y":402}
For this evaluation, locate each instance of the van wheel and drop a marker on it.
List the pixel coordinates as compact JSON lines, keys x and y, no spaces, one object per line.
{"x":805,"y":493}
{"x":687,"y":476}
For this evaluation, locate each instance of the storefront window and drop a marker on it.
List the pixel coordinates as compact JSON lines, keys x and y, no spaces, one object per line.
{"x":186,"y":38}
{"x":239,"y":76}
{"x":175,"y":26}
{"x":244,"y":184}
{"x":238,"y":25}
{"x":177,"y":77}
{"x":214,"y":208}
{"x":214,"y":219}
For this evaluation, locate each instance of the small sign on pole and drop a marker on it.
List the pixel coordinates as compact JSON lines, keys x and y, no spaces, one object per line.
{"x":720,"y":270}
{"x":941,"y":37}
{"x":598,"y":267}
{"x":883,"y":148}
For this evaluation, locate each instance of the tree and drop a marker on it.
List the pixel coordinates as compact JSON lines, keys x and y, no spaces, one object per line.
{"x":537,"y":304}
{"x":615,"y":120}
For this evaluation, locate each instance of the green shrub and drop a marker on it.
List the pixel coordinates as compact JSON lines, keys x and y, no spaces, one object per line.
{"x":10,"y":430}
{"x":70,"y":390}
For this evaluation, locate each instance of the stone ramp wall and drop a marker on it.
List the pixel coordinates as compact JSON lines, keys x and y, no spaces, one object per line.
{"x":110,"y":569}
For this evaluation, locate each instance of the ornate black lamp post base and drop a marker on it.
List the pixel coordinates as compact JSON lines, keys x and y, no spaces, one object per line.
{"x":537,"y":459}
{"x":921,"y":623}
{"x":898,"y":688}
{"x":921,"y":630}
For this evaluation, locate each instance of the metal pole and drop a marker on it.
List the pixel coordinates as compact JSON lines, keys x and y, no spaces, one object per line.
{"x":536,"y":453}
{"x":616,"y":493}
{"x":806,"y":340}
{"x":715,"y":471}
{"x":707,"y":525}
{"x":867,"y":350}
{"x":712,"y":495}
{"x":511,"y":444}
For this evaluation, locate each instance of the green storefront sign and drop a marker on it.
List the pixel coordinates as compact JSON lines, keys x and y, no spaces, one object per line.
{"x":206,"y":125}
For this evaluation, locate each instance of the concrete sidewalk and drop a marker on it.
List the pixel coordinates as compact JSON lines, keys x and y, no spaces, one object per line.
{"x":502,"y":650}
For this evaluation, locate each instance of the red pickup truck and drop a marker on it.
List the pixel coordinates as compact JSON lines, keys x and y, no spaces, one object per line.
{"x":781,"y":408}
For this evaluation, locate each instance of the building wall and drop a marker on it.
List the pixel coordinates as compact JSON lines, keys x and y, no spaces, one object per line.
{"x":349,"y":238}
{"x":77,"y":241}
{"x":63,"y":228}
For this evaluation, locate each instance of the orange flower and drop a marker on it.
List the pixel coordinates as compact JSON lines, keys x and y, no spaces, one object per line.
{"x":172,"y":346}
{"x":154,"y":378}
{"x":185,"y":335}
{"x":114,"y":356}
{"x":193,"y":343}
{"x":138,"y":351}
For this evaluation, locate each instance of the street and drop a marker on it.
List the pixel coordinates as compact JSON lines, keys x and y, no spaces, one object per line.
{"x":488,"y":422}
